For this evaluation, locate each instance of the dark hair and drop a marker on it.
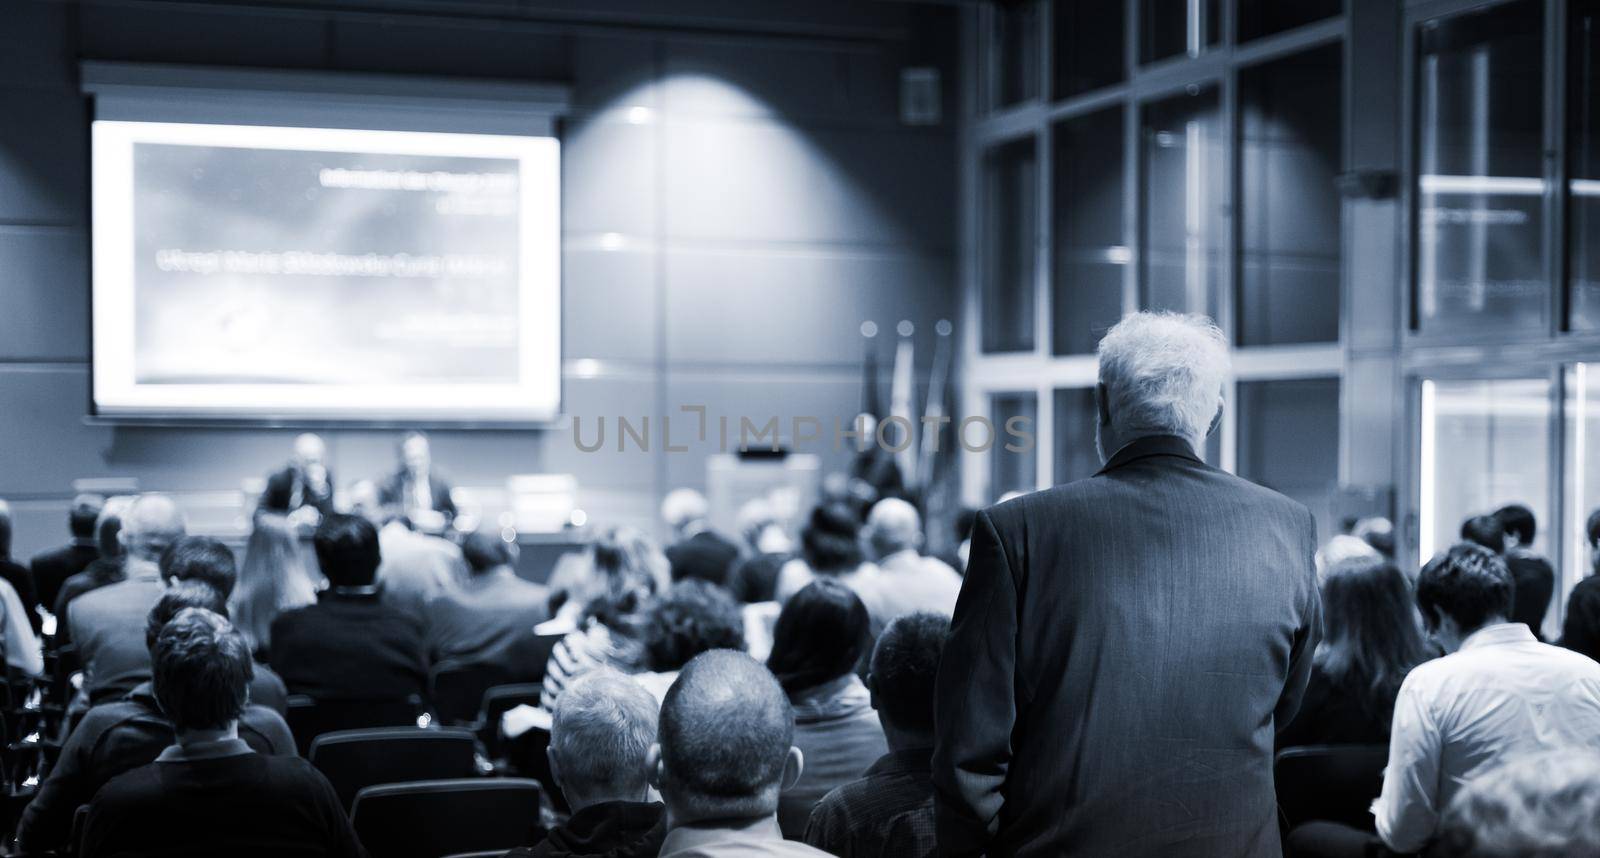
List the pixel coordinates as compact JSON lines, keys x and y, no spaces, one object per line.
{"x":904,"y":664}
{"x":1592,"y":527}
{"x":1485,"y":530}
{"x":110,"y":526}
{"x":1469,"y":583}
{"x":1518,"y":519}
{"x":201,"y":558}
{"x":1370,"y":635}
{"x":693,"y":617}
{"x":186,"y":594}
{"x":201,"y":670}
{"x":726,"y":728}
{"x":83,"y":515}
{"x":822,"y":634}
{"x":484,"y":552}
{"x":830,"y":541}
{"x":347,"y":550}
{"x":5,"y":533}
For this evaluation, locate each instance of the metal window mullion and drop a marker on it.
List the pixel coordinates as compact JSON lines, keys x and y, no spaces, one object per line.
{"x":1555,"y":163}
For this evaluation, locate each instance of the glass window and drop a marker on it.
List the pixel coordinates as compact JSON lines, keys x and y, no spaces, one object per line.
{"x":1089,"y":255}
{"x":1185,"y":179}
{"x":1076,"y":456}
{"x":1013,"y":470}
{"x":1583,"y":165}
{"x":1290,"y":129}
{"x":1089,"y":45}
{"x":1485,"y":444}
{"x":1288,"y":441}
{"x":1264,"y":17}
{"x":1016,"y":51}
{"x":1010,"y":230}
{"x":1480,"y":171}
{"x":1173,"y":28}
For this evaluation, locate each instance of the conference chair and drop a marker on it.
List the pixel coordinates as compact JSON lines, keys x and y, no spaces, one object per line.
{"x":309,"y":718}
{"x":1330,"y":783}
{"x":427,"y":819}
{"x":457,"y":689}
{"x":355,"y":759}
{"x":497,"y":701}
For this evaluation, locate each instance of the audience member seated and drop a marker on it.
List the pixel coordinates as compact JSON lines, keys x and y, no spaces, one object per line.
{"x":1540,"y":806}
{"x":1370,"y":641}
{"x":122,"y":735}
{"x":724,"y":751}
{"x":303,"y":484}
{"x":349,"y":645}
{"x":1534,"y":577}
{"x":696,"y":551}
{"x":480,"y":620}
{"x":210,"y":793}
{"x":21,"y":644}
{"x":599,"y":740}
{"x":17,"y":575}
{"x":830,"y":547}
{"x":889,"y":811}
{"x":108,"y":623}
{"x":416,"y":490}
{"x":1498,"y":694}
{"x":694,"y":616}
{"x":417,"y":568}
{"x":603,"y":611}
{"x":103,"y":571}
{"x":820,"y":640}
{"x":754,"y":578}
{"x":52,"y":568}
{"x":272,"y":579}
{"x":906,"y":581}
{"x":1580,"y":630}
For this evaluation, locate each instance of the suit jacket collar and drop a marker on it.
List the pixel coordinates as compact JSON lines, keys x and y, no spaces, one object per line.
{"x":1151,"y":445}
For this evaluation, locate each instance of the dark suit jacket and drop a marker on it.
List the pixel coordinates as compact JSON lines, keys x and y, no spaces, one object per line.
{"x":52,"y":568}
{"x":397,"y":488}
{"x":285,"y":483}
{"x":21,"y":580}
{"x":350,"y":647}
{"x":1122,"y":651}
{"x":1580,"y":632}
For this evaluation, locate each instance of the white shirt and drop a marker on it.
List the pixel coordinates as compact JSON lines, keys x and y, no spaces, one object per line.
{"x":908,"y":582}
{"x":1503,"y":695}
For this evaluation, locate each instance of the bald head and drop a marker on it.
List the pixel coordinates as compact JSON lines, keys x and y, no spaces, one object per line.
{"x":309,"y":449}
{"x":726,"y":739}
{"x":150,"y":526}
{"x":894,"y":525}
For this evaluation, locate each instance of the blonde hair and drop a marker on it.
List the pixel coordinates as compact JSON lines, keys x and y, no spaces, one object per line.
{"x":272,"y":579}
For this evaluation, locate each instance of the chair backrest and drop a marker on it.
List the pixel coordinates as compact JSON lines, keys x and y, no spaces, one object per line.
{"x":457,"y":689}
{"x":355,"y":759}
{"x":310,"y":718}
{"x":427,"y":819}
{"x":1333,"y":783}
{"x":497,"y":701}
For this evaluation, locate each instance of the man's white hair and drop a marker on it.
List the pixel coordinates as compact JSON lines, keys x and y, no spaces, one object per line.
{"x":603,"y":726}
{"x":1163,"y":374}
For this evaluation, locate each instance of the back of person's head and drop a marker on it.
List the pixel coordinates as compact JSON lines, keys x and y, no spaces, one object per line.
{"x":1538,"y":806}
{"x":201,"y":670}
{"x":905,"y":661}
{"x":347,"y":550}
{"x":894,"y":525}
{"x":830,"y":543}
{"x":1377,"y":532}
{"x":5,"y":530}
{"x":625,"y":568}
{"x":1485,"y":530}
{"x":692,"y":617}
{"x":725,"y":740}
{"x":485,"y":552}
{"x":201,"y":558}
{"x":1591,"y":528}
{"x":1340,"y":548}
{"x":1469,"y":584}
{"x":1162,"y":374}
{"x":1518,"y":520}
{"x":183,"y":595}
{"x":272,"y":570}
{"x":108,"y":527}
{"x":1370,"y":636}
{"x":83,"y":515}
{"x":600,"y":736}
{"x":822,"y":633}
{"x":683,"y":506}
{"x":150,"y":526}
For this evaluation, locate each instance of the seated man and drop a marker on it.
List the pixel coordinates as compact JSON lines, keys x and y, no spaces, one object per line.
{"x":604,"y":726}
{"x":724,"y":751}
{"x":492,"y":609}
{"x":907,"y":581}
{"x":889,"y":811}
{"x":1543,"y":806}
{"x":122,"y":735}
{"x":210,"y":794}
{"x":52,"y":568}
{"x":1498,"y":694}
{"x":349,"y":646}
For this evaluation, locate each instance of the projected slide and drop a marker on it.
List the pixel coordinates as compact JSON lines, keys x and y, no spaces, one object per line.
{"x":282,"y":273}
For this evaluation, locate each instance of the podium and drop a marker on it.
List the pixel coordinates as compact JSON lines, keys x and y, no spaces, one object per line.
{"x":788,"y":481}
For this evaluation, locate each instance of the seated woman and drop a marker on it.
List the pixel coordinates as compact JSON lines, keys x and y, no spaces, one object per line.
{"x":694,"y":616}
{"x":273,"y":579}
{"x":1371,"y":639}
{"x":819,"y":642}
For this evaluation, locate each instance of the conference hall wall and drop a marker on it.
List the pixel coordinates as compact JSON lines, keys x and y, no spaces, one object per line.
{"x":739,"y":195}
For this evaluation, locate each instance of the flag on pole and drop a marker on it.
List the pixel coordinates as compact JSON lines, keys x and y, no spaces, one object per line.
{"x":900,"y":405}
